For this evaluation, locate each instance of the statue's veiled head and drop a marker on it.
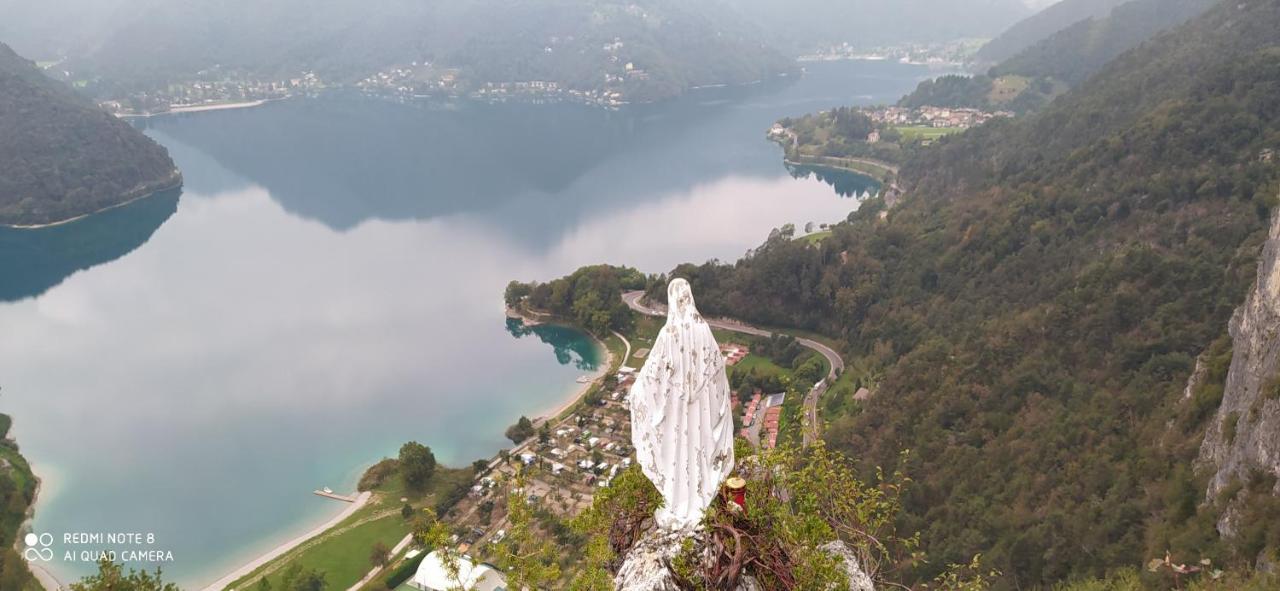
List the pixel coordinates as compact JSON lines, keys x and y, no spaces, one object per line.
{"x":680,"y":301}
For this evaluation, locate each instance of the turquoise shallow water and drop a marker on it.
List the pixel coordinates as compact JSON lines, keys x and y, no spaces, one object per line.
{"x":329,"y":285}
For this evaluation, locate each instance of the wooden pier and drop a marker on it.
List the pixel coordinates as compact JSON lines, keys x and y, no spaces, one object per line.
{"x":336,"y":496}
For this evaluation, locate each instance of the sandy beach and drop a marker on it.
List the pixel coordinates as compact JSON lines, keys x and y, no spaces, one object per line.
{"x":580,"y":390}
{"x":218,"y":106}
{"x":252,"y":565}
{"x":175,"y":109}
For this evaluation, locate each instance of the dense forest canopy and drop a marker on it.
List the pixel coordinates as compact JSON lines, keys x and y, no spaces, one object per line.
{"x":61,"y":156}
{"x":1031,"y":312}
{"x":588,"y":297}
{"x":17,"y":492}
{"x":1018,"y":94}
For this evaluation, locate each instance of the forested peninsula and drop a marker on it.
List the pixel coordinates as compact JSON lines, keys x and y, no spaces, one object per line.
{"x":61,"y":157}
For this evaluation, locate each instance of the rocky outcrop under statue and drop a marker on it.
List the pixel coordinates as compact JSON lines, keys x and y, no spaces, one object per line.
{"x":646,"y":566}
{"x":1245,"y":434}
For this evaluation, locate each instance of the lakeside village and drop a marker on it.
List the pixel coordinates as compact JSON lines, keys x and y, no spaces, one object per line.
{"x":215,"y":88}
{"x":428,"y":80}
{"x":209,"y":94}
{"x":415,"y":81}
{"x":418,"y":82}
{"x":928,"y":116}
{"x":911,"y":123}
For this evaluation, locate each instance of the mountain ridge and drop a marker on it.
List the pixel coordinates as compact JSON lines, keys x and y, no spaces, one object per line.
{"x":1042,"y":25}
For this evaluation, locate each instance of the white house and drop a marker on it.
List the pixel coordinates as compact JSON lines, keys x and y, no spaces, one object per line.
{"x":433,"y":576}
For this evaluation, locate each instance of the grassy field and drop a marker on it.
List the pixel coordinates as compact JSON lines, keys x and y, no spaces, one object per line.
{"x":342,"y":552}
{"x":929,"y":134}
{"x":642,"y":334}
{"x":345,"y":558}
{"x":1007,"y":88}
{"x":761,"y":365}
{"x":815,"y":237}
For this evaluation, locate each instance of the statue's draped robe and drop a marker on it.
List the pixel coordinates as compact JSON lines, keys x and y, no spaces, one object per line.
{"x":680,"y":415}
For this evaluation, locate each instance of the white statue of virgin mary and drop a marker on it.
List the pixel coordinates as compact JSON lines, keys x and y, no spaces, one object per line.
{"x":680,"y":418}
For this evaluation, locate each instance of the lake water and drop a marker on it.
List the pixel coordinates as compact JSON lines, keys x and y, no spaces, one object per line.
{"x":328,"y":285}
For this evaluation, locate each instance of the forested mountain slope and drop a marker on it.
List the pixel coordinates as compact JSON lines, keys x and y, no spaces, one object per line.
{"x":1042,"y":25}
{"x":1030,"y":314}
{"x":61,"y":156}
{"x":1078,"y":51}
{"x":1049,"y":67}
{"x":17,"y":491}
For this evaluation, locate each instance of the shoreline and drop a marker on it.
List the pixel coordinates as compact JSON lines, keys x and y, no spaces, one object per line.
{"x":44,"y":577}
{"x":575,"y":396}
{"x":202,"y":108}
{"x":579,"y":392}
{"x":254,"y":564}
{"x":881,"y":171}
{"x":174,"y":182}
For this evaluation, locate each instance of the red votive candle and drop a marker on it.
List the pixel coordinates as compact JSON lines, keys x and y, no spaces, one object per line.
{"x":737,"y":492}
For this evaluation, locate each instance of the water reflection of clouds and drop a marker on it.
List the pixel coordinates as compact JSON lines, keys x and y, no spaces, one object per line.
{"x":253,"y":345}
{"x":719,"y":219}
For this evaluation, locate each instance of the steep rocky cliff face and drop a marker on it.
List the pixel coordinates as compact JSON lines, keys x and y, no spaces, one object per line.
{"x":1243,"y":441}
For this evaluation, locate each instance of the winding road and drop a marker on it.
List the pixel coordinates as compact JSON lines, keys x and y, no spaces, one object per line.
{"x":834,"y":361}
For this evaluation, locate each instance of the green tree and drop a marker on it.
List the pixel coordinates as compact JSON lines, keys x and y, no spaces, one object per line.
{"x":379,"y":554}
{"x":522,"y":430}
{"x":529,"y":556}
{"x":112,"y":577}
{"x":297,"y":578}
{"x":13,"y":570}
{"x":417,"y":465}
{"x":516,"y":292}
{"x":810,"y":371}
